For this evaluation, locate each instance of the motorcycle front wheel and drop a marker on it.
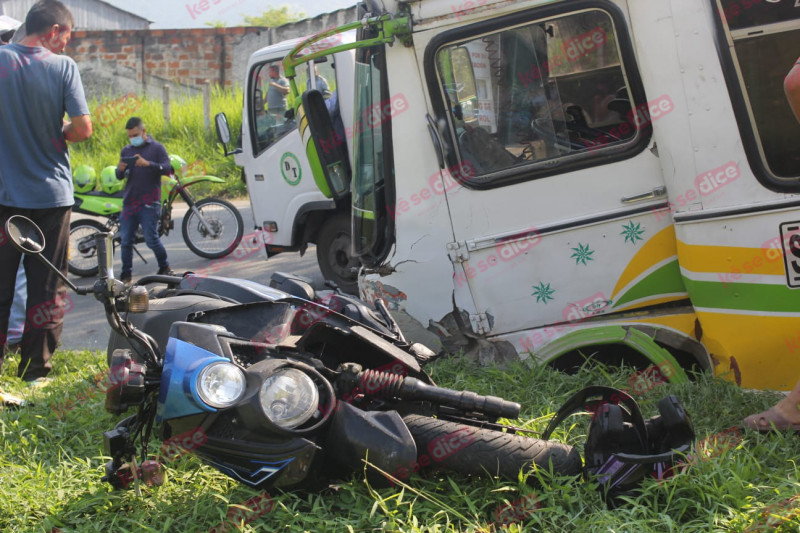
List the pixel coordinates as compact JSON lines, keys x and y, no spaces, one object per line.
{"x":82,"y":249}
{"x":477,"y":451}
{"x":223,"y":233}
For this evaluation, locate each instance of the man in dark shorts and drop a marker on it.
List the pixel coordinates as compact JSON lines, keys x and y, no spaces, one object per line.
{"x":141,"y":203}
{"x":38,"y":86}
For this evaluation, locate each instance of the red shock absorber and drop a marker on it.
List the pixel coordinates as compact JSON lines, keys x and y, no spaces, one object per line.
{"x":380,"y":384}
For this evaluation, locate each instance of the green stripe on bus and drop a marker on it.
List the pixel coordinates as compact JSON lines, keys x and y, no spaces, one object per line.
{"x":664,"y":280}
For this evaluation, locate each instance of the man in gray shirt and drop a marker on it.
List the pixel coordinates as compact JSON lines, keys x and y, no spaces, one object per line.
{"x":276,"y":95}
{"x":38,"y":86}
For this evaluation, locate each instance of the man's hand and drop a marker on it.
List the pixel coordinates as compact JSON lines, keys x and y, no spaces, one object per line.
{"x":141,"y":161}
{"x":121,"y":166}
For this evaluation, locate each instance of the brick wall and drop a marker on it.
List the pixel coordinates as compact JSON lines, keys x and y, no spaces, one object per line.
{"x":114,"y":63}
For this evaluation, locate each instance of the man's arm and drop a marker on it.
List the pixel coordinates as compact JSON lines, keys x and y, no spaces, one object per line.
{"x":79,"y":129}
{"x":791,"y":86}
{"x":162,"y":161}
{"x":282,"y":85}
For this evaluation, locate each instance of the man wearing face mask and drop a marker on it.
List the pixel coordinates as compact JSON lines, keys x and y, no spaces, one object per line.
{"x":147,"y":161}
{"x":38,"y":86}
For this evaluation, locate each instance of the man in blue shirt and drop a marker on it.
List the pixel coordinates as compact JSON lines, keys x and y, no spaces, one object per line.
{"x":141,"y":203}
{"x":38,"y":86}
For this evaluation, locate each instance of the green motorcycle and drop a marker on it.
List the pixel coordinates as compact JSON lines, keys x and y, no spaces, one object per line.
{"x":212,"y":228}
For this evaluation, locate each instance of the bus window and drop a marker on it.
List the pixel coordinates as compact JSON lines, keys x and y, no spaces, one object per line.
{"x":763,"y":37}
{"x":528,"y":94}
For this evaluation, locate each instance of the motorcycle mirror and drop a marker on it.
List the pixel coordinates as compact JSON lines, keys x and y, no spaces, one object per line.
{"x":25,"y":235}
{"x":28,"y":238}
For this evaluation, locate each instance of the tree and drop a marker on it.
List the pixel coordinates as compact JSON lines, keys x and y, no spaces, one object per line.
{"x":274,"y":16}
{"x":216,"y":23}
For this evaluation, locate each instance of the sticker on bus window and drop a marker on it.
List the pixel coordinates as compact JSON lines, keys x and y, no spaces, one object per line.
{"x":790,"y":239}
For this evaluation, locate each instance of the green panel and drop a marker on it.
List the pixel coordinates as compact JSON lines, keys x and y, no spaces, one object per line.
{"x":639,"y":341}
{"x":743,"y":296}
{"x":102,"y":205}
{"x":316,"y":168}
{"x":665,"y":280}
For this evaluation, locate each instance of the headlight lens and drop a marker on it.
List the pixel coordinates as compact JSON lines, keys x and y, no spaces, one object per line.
{"x":221,"y":385}
{"x":289,"y":397}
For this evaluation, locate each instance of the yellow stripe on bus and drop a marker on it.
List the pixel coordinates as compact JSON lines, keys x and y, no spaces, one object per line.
{"x":703,"y":258}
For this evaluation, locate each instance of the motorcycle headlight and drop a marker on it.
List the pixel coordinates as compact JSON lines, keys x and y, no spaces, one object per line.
{"x":289,"y":397}
{"x":221,"y":385}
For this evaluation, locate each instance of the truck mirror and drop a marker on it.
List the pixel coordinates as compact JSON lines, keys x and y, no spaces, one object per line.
{"x":331,"y":148}
{"x":224,"y":133}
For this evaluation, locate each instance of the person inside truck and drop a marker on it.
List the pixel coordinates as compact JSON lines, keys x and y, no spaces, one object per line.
{"x":786,"y":413}
{"x":321,"y":84}
{"x":276,"y":94}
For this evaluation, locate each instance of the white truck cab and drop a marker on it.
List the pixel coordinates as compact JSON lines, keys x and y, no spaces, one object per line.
{"x":289,"y":204}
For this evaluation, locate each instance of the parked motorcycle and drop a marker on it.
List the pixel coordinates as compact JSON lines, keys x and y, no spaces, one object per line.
{"x":283,"y":391}
{"x":212,"y":227}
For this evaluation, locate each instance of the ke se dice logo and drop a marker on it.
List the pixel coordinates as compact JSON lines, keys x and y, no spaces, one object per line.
{"x":49,"y":311}
{"x":512,"y":248}
{"x":583,"y":44}
{"x":715,"y":179}
{"x":183,"y":443}
{"x":446,"y":445}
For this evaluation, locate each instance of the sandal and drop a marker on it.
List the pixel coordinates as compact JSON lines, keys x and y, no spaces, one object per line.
{"x":769,"y":421}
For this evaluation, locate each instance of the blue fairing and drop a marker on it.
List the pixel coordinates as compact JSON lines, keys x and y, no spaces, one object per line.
{"x":178,"y":395}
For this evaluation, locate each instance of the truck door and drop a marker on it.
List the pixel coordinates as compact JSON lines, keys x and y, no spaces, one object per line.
{"x":554,"y":184}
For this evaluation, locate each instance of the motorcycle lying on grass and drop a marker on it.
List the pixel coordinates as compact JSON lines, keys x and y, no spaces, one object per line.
{"x":283,"y":391}
{"x":212,"y":227}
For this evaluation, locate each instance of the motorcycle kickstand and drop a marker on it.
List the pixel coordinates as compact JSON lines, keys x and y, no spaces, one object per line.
{"x":140,"y":255}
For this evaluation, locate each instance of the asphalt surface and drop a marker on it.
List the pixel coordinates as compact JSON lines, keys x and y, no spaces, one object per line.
{"x":85,"y":325}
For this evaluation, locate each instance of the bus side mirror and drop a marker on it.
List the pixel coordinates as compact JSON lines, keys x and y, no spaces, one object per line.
{"x":331,"y":148}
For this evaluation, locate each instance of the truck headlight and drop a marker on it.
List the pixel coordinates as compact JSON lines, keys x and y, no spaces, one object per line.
{"x":221,"y":385}
{"x":289,"y":397}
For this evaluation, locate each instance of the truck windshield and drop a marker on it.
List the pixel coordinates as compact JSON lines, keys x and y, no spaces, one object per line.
{"x":371,"y":156}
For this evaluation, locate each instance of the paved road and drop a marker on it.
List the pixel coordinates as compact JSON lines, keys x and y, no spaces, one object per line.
{"x":85,"y":326}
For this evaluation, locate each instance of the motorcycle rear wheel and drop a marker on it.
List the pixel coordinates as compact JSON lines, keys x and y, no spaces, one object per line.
{"x":226,"y":225}
{"x":476,"y":451}
{"x":82,"y":258}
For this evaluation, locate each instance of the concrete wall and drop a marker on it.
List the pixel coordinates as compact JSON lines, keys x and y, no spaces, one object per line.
{"x":113,"y":63}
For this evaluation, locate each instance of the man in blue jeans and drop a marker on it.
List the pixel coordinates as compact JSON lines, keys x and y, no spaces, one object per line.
{"x":141,"y":203}
{"x":38,"y":85}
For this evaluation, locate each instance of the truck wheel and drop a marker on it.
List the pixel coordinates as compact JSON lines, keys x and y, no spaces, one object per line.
{"x":333,"y":253}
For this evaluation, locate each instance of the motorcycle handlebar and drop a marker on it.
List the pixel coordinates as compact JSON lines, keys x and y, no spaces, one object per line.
{"x":102,"y":255}
{"x":414,"y":389}
{"x":159,"y":278}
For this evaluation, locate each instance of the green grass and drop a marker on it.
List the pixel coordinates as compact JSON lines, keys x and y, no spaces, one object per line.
{"x":185,"y":135}
{"x":51,"y":460}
